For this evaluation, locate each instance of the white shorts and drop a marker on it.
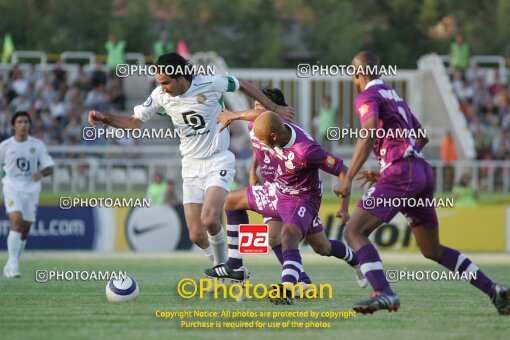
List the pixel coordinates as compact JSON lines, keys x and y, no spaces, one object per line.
{"x":26,"y":203}
{"x":200,"y":174}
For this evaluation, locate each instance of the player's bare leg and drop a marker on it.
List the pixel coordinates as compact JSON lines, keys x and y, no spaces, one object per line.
{"x":325,"y":247}
{"x":16,"y":241}
{"x":359,"y":227}
{"x":210,"y":218}
{"x":427,"y":239}
{"x":275,"y":238}
{"x":197,"y":232}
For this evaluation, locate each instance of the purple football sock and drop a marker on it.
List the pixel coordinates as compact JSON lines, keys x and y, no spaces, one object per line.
{"x":234,"y":219}
{"x":456,"y":261}
{"x":278,"y":252}
{"x":341,"y":251}
{"x":292,"y":268}
{"x":371,"y":266}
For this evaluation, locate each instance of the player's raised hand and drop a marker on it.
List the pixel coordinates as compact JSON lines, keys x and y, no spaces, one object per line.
{"x":224,"y":118}
{"x":95,"y":117}
{"x":368,"y":177}
{"x":286,"y":112}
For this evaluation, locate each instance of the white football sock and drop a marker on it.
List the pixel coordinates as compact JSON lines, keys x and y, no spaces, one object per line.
{"x":13,"y":246}
{"x":22,"y":247}
{"x":209,"y":253}
{"x":217,"y":243}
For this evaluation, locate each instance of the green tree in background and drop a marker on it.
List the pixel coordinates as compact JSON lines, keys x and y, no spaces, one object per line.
{"x":335,"y":31}
{"x":261,"y":33}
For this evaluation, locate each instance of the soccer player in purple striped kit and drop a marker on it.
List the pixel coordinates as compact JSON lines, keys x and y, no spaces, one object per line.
{"x":295,"y":199}
{"x":404,"y":173}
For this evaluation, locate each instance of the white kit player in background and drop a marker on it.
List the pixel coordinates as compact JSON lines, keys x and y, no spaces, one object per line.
{"x":21,"y":157}
{"x":194,"y":103}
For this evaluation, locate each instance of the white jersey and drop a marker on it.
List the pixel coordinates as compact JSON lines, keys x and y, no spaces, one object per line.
{"x":20,"y":160}
{"x":194,"y":114}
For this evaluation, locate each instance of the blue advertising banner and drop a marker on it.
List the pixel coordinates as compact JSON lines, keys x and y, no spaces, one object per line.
{"x":57,"y":229}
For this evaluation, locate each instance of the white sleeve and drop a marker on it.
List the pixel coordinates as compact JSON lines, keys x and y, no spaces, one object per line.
{"x":225,"y":83}
{"x":45,"y":159}
{"x":149,"y":108}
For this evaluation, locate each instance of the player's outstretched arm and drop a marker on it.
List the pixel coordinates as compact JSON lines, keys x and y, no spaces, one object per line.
{"x":226,"y":117}
{"x":361,"y":152}
{"x":116,"y":121}
{"x":286,"y":112}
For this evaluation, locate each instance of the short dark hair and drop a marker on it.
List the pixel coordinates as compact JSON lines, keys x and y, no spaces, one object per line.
{"x":20,"y":114}
{"x":275,"y":95}
{"x":179,"y":65}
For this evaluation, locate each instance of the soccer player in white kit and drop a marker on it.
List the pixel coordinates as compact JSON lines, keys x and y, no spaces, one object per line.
{"x":194,"y":103}
{"x":21,"y":157}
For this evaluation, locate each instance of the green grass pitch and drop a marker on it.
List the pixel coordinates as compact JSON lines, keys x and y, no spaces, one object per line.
{"x":79,"y":310}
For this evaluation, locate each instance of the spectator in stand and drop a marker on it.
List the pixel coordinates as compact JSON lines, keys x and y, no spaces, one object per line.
{"x":464,"y":195}
{"x":18,"y":83}
{"x":474,"y":73}
{"x":162,"y":46}
{"x":83,"y":82}
{"x":58,"y":108}
{"x":20,"y":103}
{"x":32,"y":75}
{"x":115,"y":50}
{"x":448,"y":149}
{"x":117,"y":97}
{"x":98,"y":76}
{"x":73,"y":129}
{"x":157,"y":190}
{"x":448,"y":153}
{"x":59,"y":77}
{"x":496,"y":86}
{"x":459,"y":53}
{"x":97,"y":99}
{"x":327,"y":119}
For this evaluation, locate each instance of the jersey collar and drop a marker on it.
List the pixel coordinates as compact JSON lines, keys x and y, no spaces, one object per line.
{"x":292,"y":137}
{"x":374,"y":82}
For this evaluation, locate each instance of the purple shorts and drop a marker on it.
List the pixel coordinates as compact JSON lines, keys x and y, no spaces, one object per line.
{"x":406,"y":178}
{"x":290,"y":210}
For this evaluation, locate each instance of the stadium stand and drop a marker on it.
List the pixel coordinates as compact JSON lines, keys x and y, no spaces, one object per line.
{"x":474,"y":106}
